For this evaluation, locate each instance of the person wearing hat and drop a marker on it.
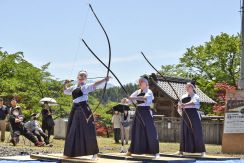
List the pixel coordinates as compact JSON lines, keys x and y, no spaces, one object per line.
{"x":191,"y":139}
{"x":34,"y":127}
{"x":18,"y":128}
{"x":3,"y":114}
{"x":144,"y":137}
{"x":81,"y":134}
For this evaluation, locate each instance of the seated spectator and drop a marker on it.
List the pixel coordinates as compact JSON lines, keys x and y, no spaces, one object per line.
{"x":33,"y":127}
{"x":18,"y":128}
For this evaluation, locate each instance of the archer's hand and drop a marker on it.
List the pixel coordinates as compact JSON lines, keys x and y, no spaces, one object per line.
{"x":181,"y":105}
{"x":17,"y":120}
{"x":124,"y":100}
{"x":108,"y":78}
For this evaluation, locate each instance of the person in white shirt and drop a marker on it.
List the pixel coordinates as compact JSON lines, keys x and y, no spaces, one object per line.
{"x":191,"y":139}
{"x":144,"y":137}
{"x":81,"y":134}
{"x":116,"y":120}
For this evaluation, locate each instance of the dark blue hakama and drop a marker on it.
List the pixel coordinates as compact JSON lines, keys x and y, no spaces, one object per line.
{"x":81,"y":135}
{"x":191,"y":139}
{"x":144,"y":139}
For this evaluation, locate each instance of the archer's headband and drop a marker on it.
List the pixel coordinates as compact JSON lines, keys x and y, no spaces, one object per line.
{"x":83,"y":72}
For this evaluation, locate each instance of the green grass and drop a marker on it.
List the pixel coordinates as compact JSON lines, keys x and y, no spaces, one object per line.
{"x":107,"y":145}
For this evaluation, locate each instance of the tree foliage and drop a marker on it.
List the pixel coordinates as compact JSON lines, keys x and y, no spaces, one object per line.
{"x":21,"y":78}
{"x":115,"y":94}
{"x":215,"y":61}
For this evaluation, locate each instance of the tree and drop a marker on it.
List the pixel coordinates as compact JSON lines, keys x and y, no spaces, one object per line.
{"x":215,"y":61}
{"x":21,"y":78}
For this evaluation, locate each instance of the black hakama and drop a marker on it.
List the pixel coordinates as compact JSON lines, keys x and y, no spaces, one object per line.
{"x":144,"y":138}
{"x":191,"y":139}
{"x":81,"y":135}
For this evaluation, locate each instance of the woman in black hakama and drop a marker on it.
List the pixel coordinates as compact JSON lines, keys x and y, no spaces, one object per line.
{"x":144,"y":138}
{"x":81,"y":134}
{"x":191,"y":136}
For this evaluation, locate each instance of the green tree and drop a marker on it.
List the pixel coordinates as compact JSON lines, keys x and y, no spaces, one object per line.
{"x":215,"y":61}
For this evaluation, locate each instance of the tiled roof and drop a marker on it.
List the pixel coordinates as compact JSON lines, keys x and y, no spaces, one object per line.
{"x":179,"y":87}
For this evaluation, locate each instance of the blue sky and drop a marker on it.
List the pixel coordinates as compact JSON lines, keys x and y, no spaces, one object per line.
{"x":51,"y":30}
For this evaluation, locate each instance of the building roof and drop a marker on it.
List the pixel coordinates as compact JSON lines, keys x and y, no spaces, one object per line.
{"x":179,"y":86}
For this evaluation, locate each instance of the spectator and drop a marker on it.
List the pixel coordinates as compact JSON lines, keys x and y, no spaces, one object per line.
{"x":47,"y":120}
{"x":33,"y":127}
{"x":18,"y":128}
{"x":116,"y":119}
{"x":125,"y":127}
{"x":3,"y":114}
{"x":13,"y":106}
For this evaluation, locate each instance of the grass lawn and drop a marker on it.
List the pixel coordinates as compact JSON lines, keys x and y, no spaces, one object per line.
{"x":106,"y":145}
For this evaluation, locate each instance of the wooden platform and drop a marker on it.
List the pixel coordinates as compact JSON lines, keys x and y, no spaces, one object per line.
{"x":145,"y":158}
{"x":118,"y":158}
{"x":17,"y":158}
{"x":84,"y":159}
{"x":198,"y":157}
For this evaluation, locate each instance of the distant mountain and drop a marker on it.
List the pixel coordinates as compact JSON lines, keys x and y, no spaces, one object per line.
{"x":109,"y":85}
{"x":115,"y":93}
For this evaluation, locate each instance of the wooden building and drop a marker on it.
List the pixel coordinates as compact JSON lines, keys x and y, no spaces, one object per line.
{"x":165,"y":101}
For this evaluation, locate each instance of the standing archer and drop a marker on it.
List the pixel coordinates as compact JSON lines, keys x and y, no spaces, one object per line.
{"x":81,"y":134}
{"x":144,"y":139}
{"x":191,"y":129}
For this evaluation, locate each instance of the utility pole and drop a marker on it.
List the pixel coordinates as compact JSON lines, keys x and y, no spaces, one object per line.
{"x":241,"y":81}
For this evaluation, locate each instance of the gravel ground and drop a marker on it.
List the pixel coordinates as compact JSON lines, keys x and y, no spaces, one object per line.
{"x":106,"y":145}
{"x":25,"y":147}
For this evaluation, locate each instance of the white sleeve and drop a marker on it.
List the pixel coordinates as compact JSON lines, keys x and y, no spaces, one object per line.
{"x":149,"y":97}
{"x":112,"y":119}
{"x":69,"y":90}
{"x":88,"y":88}
{"x":133,"y":95}
{"x":196,"y":100}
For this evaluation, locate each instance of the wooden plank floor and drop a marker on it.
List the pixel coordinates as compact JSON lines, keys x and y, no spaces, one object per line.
{"x":119,"y":158}
{"x":145,"y":158}
{"x":84,"y":159}
{"x":199,"y":157}
{"x":19,"y":158}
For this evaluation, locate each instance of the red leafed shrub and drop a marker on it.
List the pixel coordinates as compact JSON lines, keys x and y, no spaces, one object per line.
{"x":219,"y":107}
{"x":103,"y":127}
